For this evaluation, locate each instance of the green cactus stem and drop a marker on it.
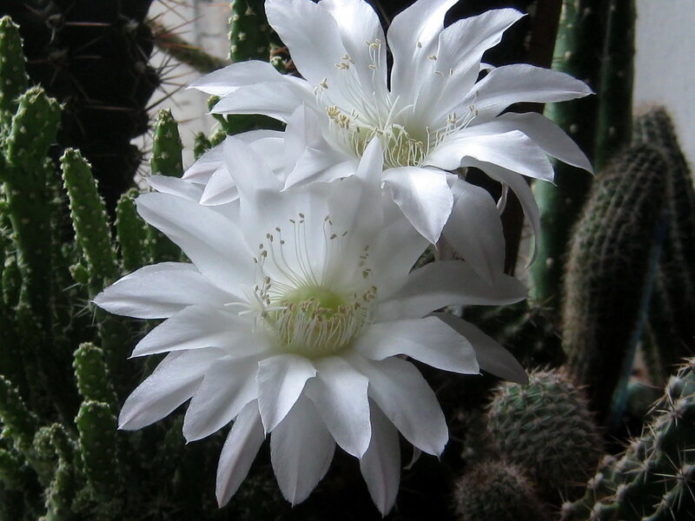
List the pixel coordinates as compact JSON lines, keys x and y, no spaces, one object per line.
{"x":610,"y":273}
{"x":89,"y":219}
{"x":131,"y":232}
{"x":19,"y":423}
{"x":546,"y":428}
{"x":497,"y":490}
{"x":13,"y":76}
{"x":654,"y":479}
{"x":92,"y":375}
{"x":578,"y":51}
{"x":168,"y":41}
{"x":614,"y":129}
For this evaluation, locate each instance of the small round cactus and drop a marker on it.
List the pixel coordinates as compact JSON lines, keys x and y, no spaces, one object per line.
{"x":546,"y":427}
{"x":499,"y":491}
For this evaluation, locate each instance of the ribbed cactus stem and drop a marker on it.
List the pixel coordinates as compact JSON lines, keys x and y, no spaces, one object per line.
{"x":166,"y":147}
{"x":617,"y":75}
{"x":89,"y":219}
{"x":578,"y":50}
{"x":96,"y":425}
{"x":546,"y":428}
{"x":611,"y":270}
{"x":131,"y":232}
{"x":92,"y":375}
{"x":13,"y":76}
{"x":24,"y":173}
{"x":249,"y":32}
{"x":19,"y":423}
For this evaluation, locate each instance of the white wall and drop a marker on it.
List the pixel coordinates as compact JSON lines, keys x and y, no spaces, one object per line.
{"x":665,"y":63}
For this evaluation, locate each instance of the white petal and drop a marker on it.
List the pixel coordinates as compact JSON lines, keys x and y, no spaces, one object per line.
{"x":425,"y":339}
{"x":240,"y":449}
{"x":201,"y":326}
{"x":381,"y":464}
{"x":311,"y":35}
{"x":175,"y":186}
{"x":512,"y":150}
{"x":276,"y":99}
{"x":159,"y":291}
{"x":522,"y":190}
{"x":224,"y":81}
{"x":281,"y":380}
{"x":492,"y":357}
{"x":340,"y":395}
{"x":410,"y":35}
{"x":214,"y":244}
{"x":510,"y":84}
{"x":363,"y":38}
{"x":404,"y":396}
{"x":424,"y":197}
{"x":173,"y":382}
{"x":301,"y":450}
{"x":447,"y":283}
{"x":226,"y":388}
{"x":474,"y":230}
{"x":220,"y":189}
{"x":551,"y":138}
{"x":205,"y":166}
{"x":247,"y":169}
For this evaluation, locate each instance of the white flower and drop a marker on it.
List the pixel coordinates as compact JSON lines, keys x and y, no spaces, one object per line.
{"x":431,"y":113}
{"x":290,"y":321}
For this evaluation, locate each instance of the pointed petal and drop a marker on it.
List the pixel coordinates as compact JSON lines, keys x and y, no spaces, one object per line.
{"x":226,"y":388}
{"x":401,"y":392}
{"x":492,"y":357}
{"x":214,"y":244}
{"x":159,"y":291}
{"x":521,"y":189}
{"x":275,"y":99}
{"x":411,"y":35}
{"x":205,"y":166}
{"x":381,"y":464}
{"x":363,"y":39}
{"x":240,"y":449}
{"x":197,"y":327}
{"x":548,"y":136}
{"x":425,"y":339}
{"x":301,"y":450}
{"x":281,"y":380}
{"x":220,"y":189}
{"x":517,"y":83}
{"x":340,"y":396}
{"x":423,"y":196}
{"x":175,"y":186}
{"x":224,"y":81}
{"x":173,"y":382}
{"x":447,"y":283}
{"x":474,"y":230}
{"x":512,"y":150}
{"x":310,"y":33}
{"x":247,"y":169}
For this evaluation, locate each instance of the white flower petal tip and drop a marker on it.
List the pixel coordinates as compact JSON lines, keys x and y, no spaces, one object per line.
{"x":492,"y":357}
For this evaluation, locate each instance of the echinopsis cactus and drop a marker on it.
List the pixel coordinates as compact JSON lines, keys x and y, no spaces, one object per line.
{"x":65,"y":373}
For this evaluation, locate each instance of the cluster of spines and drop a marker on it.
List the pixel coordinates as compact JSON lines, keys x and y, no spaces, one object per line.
{"x":654,"y":479}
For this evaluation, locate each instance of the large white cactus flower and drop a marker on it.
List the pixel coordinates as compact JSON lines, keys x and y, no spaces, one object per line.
{"x":431,"y":111}
{"x":292,"y":320}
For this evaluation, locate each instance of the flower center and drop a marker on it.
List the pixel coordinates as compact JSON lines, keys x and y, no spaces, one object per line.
{"x":306,"y":299}
{"x":314,"y":321}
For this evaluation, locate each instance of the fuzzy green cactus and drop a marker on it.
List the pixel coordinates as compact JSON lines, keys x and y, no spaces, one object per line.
{"x":497,"y":490}
{"x":670,"y":317}
{"x":546,"y":428}
{"x":610,"y":273}
{"x":12,"y":69}
{"x":654,"y":479}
